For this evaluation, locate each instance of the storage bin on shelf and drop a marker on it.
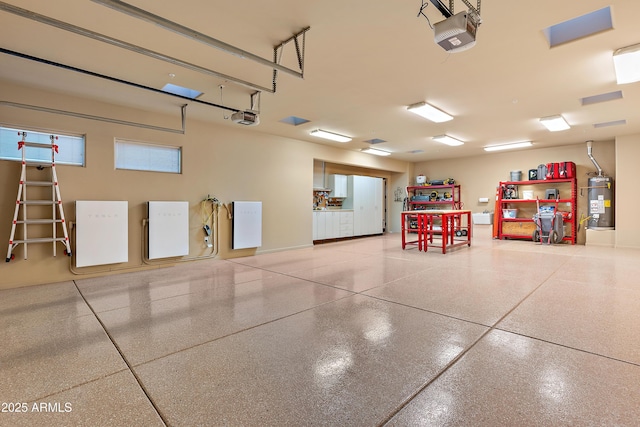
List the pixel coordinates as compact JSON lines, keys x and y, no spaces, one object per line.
{"x":509,"y":213}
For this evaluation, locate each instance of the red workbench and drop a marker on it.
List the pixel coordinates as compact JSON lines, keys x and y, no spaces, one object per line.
{"x":455,"y":228}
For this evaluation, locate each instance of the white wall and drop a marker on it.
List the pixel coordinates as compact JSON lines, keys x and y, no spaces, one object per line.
{"x":225,"y":161}
{"x":627,"y":190}
{"x":479,"y":176}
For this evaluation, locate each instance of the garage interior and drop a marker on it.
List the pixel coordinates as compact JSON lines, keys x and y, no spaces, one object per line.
{"x":277,"y":327}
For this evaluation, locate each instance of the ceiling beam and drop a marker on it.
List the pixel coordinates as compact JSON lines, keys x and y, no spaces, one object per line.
{"x":190,"y":33}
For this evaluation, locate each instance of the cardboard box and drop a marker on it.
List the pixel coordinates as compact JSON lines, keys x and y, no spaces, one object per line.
{"x":524,"y":229}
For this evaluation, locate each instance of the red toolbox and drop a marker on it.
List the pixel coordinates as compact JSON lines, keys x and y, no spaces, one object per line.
{"x":567,"y":170}
{"x":561,"y":170}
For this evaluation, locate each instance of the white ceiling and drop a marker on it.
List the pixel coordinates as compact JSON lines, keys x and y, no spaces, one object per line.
{"x":364,"y":62}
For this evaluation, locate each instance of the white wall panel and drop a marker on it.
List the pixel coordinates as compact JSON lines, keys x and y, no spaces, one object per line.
{"x":247,"y":225}
{"x":102,"y":230}
{"x":168,"y":229}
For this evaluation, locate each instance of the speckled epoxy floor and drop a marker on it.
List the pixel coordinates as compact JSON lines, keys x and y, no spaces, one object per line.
{"x":355,"y":333}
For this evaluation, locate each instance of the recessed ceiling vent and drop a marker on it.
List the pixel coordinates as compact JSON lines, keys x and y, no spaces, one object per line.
{"x":375,"y":141}
{"x":577,"y":28}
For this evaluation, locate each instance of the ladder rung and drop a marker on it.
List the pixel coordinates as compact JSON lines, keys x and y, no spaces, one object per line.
{"x":38,"y":221}
{"x":38,"y":202}
{"x":39,"y":183}
{"x":39,"y":164}
{"x":40,"y":240}
{"x":37,"y":144}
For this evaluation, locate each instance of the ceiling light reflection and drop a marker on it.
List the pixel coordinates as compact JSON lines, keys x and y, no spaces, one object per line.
{"x":332,"y":365}
{"x":376,"y":325}
{"x":553,"y":385}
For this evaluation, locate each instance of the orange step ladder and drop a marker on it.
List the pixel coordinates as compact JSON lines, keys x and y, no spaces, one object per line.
{"x":22,"y":203}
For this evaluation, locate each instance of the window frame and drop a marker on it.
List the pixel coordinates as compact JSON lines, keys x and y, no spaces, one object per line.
{"x":66,"y":141}
{"x":120,"y":143}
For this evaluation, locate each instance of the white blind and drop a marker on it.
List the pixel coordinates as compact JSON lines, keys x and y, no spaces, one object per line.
{"x":142,"y":156}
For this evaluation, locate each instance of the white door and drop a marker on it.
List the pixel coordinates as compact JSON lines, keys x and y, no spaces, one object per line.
{"x":360,"y":206}
{"x":366,"y":199}
{"x":378,"y":206}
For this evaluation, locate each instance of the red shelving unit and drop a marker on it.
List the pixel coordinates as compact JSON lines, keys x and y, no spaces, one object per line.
{"x":417,"y":193}
{"x":429,"y":197}
{"x":522,"y":226}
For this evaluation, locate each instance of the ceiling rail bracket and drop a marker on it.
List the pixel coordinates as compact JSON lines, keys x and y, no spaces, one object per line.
{"x":192,"y":34}
{"x":279,"y":49}
{"x":125,"y":45}
{"x":448,"y":11}
{"x":183,"y":110}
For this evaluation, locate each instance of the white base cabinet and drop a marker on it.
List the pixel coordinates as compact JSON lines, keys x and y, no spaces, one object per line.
{"x":346,"y":224}
{"x":332,"y":224}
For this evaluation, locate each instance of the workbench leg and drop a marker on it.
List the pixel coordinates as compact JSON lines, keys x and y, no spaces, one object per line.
{"x":404,"y":231}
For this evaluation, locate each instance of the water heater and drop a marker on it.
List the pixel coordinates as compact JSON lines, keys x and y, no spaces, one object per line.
{"x":600,"y":195}
{"x":601,"y":198}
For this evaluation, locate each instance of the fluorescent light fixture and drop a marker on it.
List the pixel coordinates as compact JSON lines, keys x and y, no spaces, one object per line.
{"x":330,"y":135}
{"x":555,"y":123}
{"x":508,"y":146}
{"x":375,"y":151}
{"x":446,"y":139}
{"x":429,"y":112}
{"x":627,"y":64}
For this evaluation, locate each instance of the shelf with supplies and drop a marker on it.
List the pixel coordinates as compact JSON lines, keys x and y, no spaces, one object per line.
{"x":445,"y":196}
{"x":517,"y":203}
{"x":429,"y":197}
